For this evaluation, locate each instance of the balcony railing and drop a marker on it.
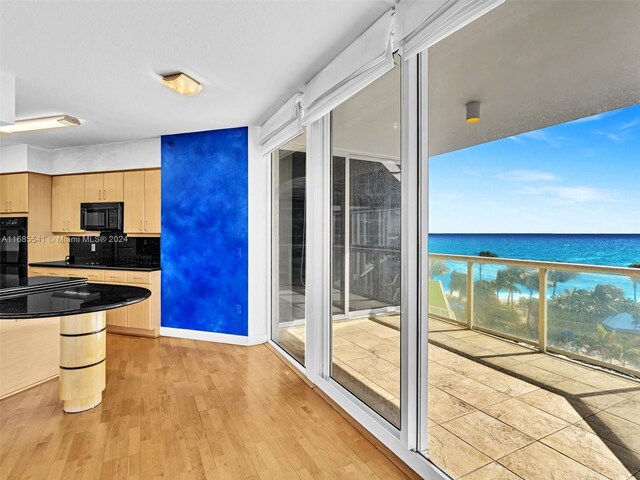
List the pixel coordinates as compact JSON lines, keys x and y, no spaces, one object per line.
{"x":587,"y":312}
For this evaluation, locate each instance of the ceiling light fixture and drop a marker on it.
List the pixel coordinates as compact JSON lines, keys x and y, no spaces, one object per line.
{"x":182,"y":83}
{"x":473,"y":112}
{"x":43,"y":123}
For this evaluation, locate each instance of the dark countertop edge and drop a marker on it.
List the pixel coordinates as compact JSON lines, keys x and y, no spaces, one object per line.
{"x":67,"y":313}
{"x":61,"y":264}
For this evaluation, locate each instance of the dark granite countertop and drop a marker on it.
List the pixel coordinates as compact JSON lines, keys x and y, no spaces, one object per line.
{"x":14,"y":285}
{"x":70,"y":300}
{"x":140,"y":266}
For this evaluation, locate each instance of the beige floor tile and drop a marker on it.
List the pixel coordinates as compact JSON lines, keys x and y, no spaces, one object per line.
{"x":441,"y":375}
{"x":380,"y":330}
{"x":474,"y":393}
{"x":613,"y":428}
{"x":390,"y":381}
{"x":493,"y":471}
{"x":351,"y":352}
{"x":438,"y":354}
{"x":443,"y":407}
{"x":527,"y":419}
{"x":361,"y":338}
{"x":500,"y":360}
{"x":560,"y":366}
{"x":463,"y":346}
{"x":505,"y":383}
{"x":557,"y":405}
{"x":465,"y":367}
{"x":490,"y":436}
{"x":347,"y":368}
{"x":592,"y":396}
{"x":453,"y":455}
{"x":462,"y":333}
{"x":371,"y":366}
{"x":508,"y":347}
{"x":539,"y":462}
{"x":629,"y":410}
{"x":528,"y":372}
{"x":609,"y":459}
{"x":485,"y":341}
{"x":613,"y":383}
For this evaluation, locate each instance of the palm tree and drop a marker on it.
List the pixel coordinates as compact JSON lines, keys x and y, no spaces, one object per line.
{"x":530,"y":281}
{"x":458,"y":283}
{"x":559,"y":276}
{"x":635,"y":281}
{"x":508,"y":279}
{"x":485,"y":253}
{"x":438,"y":268}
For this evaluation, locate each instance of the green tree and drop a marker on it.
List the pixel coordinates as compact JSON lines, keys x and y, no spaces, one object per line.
{"x":559,"y":276}
{"x":508,"y":279}
{"x":458,"y":283}
{"x":635,"y":281}
{"x":437,"y":268}
{"x":531,"y":281}
{"x":485,"y":253}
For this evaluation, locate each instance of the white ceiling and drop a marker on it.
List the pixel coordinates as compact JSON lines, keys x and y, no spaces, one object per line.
{"x":99,"y":61}
{"x":532,"y":64}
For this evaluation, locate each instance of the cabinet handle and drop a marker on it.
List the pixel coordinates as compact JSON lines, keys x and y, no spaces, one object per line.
{"x":104,"y":194}
{"x":99,"y":194}
{"x":146,"y":225}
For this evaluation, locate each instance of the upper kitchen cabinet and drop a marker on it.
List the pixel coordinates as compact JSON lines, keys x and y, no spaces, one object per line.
{"x":142,"y":201}
{"x":104,"y":187}
{"x":67,"y":193}
{"x":14,"y":193}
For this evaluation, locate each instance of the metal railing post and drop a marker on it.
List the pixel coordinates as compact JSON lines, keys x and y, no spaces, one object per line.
{"x":542,"y":309}
{"x":470,"y":295}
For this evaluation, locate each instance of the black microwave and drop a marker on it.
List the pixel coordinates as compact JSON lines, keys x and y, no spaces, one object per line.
{"x":102,"y":217}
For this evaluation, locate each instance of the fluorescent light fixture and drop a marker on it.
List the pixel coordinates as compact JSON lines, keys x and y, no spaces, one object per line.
{"x":43,"y":123}
{"x":473,"y":112}
{"x":182,"y":83}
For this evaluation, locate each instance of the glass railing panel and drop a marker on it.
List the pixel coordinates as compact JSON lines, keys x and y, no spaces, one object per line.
{"x":448,"y":289}
{"x":595,"y":316}
{"x":506,"y":300}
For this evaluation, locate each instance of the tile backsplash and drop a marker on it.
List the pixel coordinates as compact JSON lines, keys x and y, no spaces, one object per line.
{"x":109,"y":250}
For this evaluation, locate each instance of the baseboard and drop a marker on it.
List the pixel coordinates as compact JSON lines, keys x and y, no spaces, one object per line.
{"x":212,"y":336}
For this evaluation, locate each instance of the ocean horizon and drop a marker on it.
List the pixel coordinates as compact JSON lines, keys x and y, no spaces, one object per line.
{"x":616,"y":249}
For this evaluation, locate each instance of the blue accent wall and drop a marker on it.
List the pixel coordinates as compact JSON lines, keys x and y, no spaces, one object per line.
{"x":204,"y":231}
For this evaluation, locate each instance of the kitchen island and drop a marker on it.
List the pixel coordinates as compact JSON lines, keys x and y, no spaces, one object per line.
{"x":29,"y":310}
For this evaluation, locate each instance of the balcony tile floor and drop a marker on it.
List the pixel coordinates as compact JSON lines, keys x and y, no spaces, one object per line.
{"x":499,"y":410}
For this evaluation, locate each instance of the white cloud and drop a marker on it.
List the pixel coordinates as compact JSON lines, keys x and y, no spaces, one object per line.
{"x":573,"y":194}
{"x":593,"y":118}
{"x":528,"y":176}
{"x":614,"y":137}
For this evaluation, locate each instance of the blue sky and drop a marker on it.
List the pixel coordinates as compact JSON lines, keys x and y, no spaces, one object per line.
{"x":577,"y":177}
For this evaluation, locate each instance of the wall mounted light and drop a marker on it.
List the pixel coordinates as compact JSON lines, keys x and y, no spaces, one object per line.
{"x":473,"y":112}
{"x":182,"y":83}
{"x":42,"y":123}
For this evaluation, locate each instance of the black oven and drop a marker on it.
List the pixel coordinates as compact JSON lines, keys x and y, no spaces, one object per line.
{"x":101,"y":217}
{"x":13,"y":246}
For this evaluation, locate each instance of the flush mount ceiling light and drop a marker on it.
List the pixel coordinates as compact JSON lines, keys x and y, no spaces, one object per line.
{"x":182,"y":83}
{"x":43,"y":123}
{"x":473,"y":112}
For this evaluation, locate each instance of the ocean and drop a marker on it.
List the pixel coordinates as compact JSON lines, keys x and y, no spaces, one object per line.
{"x":591,"y":249}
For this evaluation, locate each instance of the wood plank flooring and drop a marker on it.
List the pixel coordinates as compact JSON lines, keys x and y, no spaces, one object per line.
{"x":182,"y":409}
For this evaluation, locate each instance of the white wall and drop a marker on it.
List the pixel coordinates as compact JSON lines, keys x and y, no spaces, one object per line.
{"x":259,"y":232}
{"x":38,"y":160}
{"x":13,"y":159}
{"x":110,"y":156}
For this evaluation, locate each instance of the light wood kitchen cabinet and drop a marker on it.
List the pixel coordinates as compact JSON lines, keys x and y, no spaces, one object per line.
{"x":14,"y":193}
{"x":104,"y":187}
{"x":141,"y":318}
{"x":67,"y":193}
{"x":142,"y":201}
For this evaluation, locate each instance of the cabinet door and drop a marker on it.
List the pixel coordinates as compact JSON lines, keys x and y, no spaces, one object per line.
{"x":113,"y":187}
{"x":134,"y":202}
{"x":58,"y":203}
{"x":117,"y":317}
{"x":152,"y":201}
{"x":93,"y":187}
{"x":4,"y":201}
{"x":139,"y":314}
{"x":75,"y":196}
{"x":15,"y":193}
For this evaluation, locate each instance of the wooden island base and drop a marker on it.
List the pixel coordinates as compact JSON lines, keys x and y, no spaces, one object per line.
{"x":83,"y":349}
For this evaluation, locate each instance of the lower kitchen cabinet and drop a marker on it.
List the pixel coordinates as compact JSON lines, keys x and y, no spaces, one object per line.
{"x":142,"y":318}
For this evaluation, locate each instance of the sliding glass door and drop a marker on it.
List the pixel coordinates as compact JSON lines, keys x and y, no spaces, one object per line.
{"x":289,"y":247}
{"x":365,"y":245}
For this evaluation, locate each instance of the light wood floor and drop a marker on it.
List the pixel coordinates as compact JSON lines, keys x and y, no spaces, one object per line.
{"x":185,"y":409}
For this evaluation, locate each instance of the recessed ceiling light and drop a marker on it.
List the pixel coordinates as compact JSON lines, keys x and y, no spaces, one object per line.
{"x":182,"y":83}
{"x":42,"y":123}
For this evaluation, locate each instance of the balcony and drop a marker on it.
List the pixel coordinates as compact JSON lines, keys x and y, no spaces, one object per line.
{"x":509,"y":384}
